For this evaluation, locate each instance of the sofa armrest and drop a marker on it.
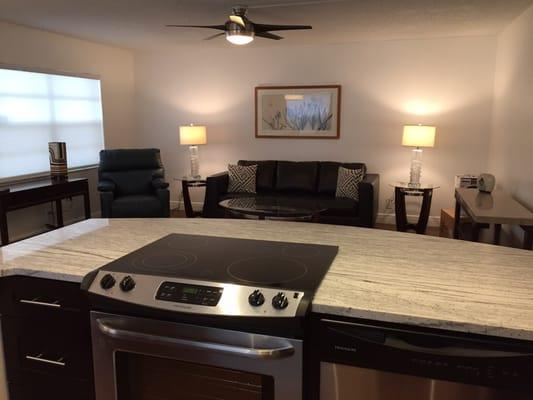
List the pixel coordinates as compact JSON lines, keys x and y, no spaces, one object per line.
{"x":215,"y":186}
{"x":106,"y":186}
{"x":369,"y":200}
{"x":163,"y":196}
{"x":159,"y":183}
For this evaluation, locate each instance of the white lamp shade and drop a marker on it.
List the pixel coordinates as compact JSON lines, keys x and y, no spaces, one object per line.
{"x":418,"y":136}
{"x":192,"y":135}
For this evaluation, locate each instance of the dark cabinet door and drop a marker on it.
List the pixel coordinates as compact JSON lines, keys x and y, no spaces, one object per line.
{"x":47,"y":343}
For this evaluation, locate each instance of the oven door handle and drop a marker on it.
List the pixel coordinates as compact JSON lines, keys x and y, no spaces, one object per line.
{"x":107,"y":327}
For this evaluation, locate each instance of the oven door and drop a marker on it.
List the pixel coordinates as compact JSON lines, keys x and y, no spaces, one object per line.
{"x":138,"y":359}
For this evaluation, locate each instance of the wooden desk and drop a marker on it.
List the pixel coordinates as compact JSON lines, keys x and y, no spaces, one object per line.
{"x":29,"y":194}
{"x":492,"y":208}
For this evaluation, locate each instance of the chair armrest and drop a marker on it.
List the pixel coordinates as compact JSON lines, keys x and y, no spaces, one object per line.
{"x":163,"y":196}
{"x":215,"y":186}
{"x":159,"y":183}
{"x":106,"y":186}
{"x":106,"y":204}
{"x":369,"y":200}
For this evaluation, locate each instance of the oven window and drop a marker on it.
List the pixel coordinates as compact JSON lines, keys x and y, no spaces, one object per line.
{"x":142,"y":377}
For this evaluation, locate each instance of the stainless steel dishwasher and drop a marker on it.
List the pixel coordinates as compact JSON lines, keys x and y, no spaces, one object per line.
{"x":366,"y":362}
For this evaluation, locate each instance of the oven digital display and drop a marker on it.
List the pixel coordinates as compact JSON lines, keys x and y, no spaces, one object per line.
{"x":189,"y":294}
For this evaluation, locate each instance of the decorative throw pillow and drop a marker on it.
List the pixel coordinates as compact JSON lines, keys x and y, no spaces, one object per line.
{"x":348,"y":183}
{"x":242,"y":178}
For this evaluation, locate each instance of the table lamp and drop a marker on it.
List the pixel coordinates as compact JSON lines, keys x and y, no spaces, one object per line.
{"x":193,"y":135}
{"x":417,"y":136}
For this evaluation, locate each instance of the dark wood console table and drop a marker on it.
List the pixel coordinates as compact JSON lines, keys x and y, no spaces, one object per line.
{"x":29,"y":194}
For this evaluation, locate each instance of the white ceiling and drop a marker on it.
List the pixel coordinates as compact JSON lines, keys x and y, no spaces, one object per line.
{"x":139,"y":24}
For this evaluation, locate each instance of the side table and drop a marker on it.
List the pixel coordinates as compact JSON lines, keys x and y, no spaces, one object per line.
{"x":186,"y":183}
{"x":403,"y":189}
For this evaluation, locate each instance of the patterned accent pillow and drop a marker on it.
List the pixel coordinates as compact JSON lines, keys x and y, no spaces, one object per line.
{"x":242,"y":178}
{"x":348,"y":183}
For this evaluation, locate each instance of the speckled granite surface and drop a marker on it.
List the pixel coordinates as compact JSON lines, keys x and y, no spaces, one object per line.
{"x":380,"y":275}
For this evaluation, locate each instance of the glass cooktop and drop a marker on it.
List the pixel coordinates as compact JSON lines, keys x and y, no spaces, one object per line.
{"x":227,"y":260}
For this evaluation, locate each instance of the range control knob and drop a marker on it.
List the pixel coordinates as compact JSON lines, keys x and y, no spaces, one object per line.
{"x":127,"y":284}
{"x":256,"y":299}
{"x":279,"y":301}
{"x":107,"y":282}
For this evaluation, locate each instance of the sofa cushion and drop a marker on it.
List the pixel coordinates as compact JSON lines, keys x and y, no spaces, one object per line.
{"x":242,"y":178}
{"x":348,"y":183}
{"x":297,"y":176}
{"x":328,"y":173}
{"x":266,"y":174}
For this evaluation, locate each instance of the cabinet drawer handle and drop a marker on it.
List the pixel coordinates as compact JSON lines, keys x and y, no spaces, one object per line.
{"x":35,"y":302}
{"x":39,"y":358}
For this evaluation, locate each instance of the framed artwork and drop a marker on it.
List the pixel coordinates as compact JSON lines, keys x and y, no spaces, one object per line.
{"x":298,"y":112}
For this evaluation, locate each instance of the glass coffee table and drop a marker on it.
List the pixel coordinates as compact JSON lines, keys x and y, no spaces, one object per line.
{"x":273,"y":208}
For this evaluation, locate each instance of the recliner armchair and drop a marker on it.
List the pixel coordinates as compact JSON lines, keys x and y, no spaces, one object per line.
{"x":131,"y":184}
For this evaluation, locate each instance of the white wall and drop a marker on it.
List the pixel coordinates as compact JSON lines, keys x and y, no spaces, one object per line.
{"x":446,"y":82}
{"x":511,"y":149}
{"x":40,"y":50}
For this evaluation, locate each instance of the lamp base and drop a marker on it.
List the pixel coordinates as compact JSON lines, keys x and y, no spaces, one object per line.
{"x":195,"y":163}
{"x":416,"y":168}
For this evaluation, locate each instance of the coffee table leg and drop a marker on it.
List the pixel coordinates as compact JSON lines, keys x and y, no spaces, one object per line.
{"x":528,"y":237}
{"x":457,"y":219}
{"x":497,"y":233}
{"x":3,"y":226}
{"x":475,"y":232}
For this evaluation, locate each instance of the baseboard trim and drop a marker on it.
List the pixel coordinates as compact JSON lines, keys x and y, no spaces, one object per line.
{"x":390,"y":219}
{"x":196,"y":205}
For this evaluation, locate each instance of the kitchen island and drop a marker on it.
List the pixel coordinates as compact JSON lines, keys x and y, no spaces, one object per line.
{"x":379,"y":275}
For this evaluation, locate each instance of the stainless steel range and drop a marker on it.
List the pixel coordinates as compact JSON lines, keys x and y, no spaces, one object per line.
{"x":191,"y":316}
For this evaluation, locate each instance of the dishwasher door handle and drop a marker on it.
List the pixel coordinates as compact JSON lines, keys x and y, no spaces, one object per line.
{"x":397,"y":342}
{"x":280,"y":350}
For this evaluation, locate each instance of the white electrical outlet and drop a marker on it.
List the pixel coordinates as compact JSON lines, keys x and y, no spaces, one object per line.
{"x":389,"y":204}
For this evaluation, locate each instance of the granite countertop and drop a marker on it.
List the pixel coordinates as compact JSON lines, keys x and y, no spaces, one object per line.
{"x":378,"y":275}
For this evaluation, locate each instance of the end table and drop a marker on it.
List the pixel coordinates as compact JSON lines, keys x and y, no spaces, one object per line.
{"x":403,"y":189}
{"x":186,"y":183}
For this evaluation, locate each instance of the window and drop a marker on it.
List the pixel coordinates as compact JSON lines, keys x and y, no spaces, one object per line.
{"x":37,"y":108}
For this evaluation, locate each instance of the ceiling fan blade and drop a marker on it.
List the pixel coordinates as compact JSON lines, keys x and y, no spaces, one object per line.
{"x":238,"y":20}
{"x":215,"y":36}
{"x":295,"y":3}
{"x":219,"y":27}
{"x":268,"y":35}
{"x":265,"y":28}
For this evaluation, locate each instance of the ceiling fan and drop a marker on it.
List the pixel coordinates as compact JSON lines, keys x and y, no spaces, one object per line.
{"x":239,"y":30}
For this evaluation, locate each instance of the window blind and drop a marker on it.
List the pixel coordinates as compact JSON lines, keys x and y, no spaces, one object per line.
{"x":37,"y":108}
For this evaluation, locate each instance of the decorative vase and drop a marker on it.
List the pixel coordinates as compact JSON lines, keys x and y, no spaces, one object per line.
{"x":486,"y":183}
{"x":58,"y":161}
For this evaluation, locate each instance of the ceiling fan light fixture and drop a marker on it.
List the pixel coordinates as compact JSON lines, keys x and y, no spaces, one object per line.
{"x":239,"y":38}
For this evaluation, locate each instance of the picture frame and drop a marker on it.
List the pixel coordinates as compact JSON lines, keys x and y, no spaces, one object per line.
{"x":298,"y":112}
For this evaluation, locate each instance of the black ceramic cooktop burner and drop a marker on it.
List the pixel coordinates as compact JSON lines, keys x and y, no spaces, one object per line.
{"x":241,"y":261}
{"x":267,"y":271}
{"x":165,"y":262}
